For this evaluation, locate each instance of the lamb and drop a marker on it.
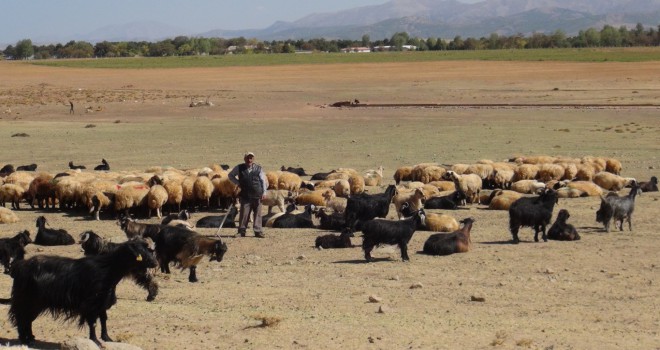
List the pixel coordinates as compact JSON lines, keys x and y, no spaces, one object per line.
{"x":71,"y":166}
{"x":415,"y":198}
{"x":649,"y":186}
{"x":71,"y":288}
{"x":186,"y":248}
{"x":617,"y":208}
{"x":470,"y":184}
{"x":7,"y":216}
{"x":227,"y":220}
{"x":451,"y":201}
{"x":92,"y":244}
{"x":332,"y":222}
{"x":366,"y":207}
{"x":290,"y":220}
{"x":13,"y":249}
{"x":103,"y":166}
{"x":297,"y":171}
{"x":399,"y":232}
{"x":612,"y":182}
{"x":332,"y":241}
{"x":31,"y":167}
{"x":458,"y":241}
{"x":534,"y":212}
{"x":561,"y":231}
{"x":50,"y":237}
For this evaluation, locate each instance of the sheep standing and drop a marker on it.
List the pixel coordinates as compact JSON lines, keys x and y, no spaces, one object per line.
{"x":156,"y":197}
{"x":11,"y":193}
{"x":470,"y":184}
{"x":203,"y":189}
{"x":403,"y":173}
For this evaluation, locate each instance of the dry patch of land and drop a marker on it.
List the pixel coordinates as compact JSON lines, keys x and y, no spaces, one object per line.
{"x":600,"y":292}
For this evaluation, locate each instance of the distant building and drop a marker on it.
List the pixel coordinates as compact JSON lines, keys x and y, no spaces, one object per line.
{"x":356,"y":49}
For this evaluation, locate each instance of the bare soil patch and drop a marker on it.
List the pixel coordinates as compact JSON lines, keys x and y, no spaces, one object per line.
{"x":279,"y":292}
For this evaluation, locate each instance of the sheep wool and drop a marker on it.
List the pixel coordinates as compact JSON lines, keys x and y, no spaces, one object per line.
{"x":7,"y":216}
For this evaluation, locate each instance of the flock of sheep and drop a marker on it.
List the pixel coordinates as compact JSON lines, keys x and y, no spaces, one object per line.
{"x":527,"y":187}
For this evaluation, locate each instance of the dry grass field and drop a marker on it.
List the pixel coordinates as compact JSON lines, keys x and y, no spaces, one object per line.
{"x":598,"y":293}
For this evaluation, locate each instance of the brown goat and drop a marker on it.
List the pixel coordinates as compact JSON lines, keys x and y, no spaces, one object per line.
{"x":449,"y":243}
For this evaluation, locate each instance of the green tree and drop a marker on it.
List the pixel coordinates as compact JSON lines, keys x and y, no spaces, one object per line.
{"x":24,"y":49}
{"x":366,"y":40}
{"x":610,"y":37}
{"x":398,"y":40}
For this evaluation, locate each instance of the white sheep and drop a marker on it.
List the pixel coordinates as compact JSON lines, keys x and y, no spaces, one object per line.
{"x":415,"y":198}
{"x":470,"y":184}
{"x":342,"y":188}
{"x":12,"y":193}
{"x":7,"y":216}
{"x":527,"y":186}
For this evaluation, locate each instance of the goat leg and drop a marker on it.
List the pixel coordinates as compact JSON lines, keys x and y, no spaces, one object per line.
{"x":404,"y":252}
{"x":91,"y":322}
{"x":104,"y":327}
{"x":193,"y":274}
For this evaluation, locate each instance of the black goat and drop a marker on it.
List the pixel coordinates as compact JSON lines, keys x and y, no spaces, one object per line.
{"x":450,"y":201}
{"x":31,"y":167}
{"x":302,"y":220}
{"x":133,"y":228}
{"x":321,"y":176}
{"x":214,"y":221}
{"x":13,"y":249}
{"x":186,"y":248}
{"x":332,"y":222}
{"x":6,"y":170}
{"x":458,"y":241}
{"x":72,"y":288}
{"x":533,"y":212}
{"x":617,"y":208}
{"x":103,"y":166}
{"x":649,"y":186}
{"x":399,"y":232}
{"x":334,"y":241}
{"x":297,"y":171}
{"x":182,"y":215}
{"x":561,"y":231}
{"x":224,"y":166}
{"x":93,"y":244}
{"x":365,"y":207}
{"x":71,"y":166}
{"x":49,"y":236}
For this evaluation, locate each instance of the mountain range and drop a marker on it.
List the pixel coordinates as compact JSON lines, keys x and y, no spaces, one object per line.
{"x":422,"y":18}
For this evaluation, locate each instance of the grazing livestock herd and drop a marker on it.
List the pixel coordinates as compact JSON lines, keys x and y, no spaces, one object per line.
{"x":84,"y":288}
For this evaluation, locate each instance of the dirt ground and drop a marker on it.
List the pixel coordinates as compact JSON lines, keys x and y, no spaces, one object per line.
{"x":601,"y":292}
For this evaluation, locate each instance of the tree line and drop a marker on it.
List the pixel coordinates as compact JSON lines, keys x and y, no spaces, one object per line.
{"x":608,"y":36}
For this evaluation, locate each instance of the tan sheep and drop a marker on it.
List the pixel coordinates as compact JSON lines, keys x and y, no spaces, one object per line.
{"x":403,"y":173}
{"x":484,"y":171}
{"x":612,"y":182}
{"x":130,"y":195}
{"x":337,"y":204}
{"x":538,"y":159}
{"x":7,"y":216}
{"x":20,"y":178}
{"x":415,"y":198}
{"x":225,"y":189}
{"x":585,"y":172}
{"x":470,"y":184}
{"x":156,"y":198}
{"x":342,"y":188}
{"x":587,"y":187}
{"x":12,"y":193}
{"x":503,"y":178}
{"x":527,"y":186}
{"x":443,"y":185}
{"x":502,"y":200}
{"x":42,"y":191}
{"x":418,"y":169}
{"x":432,"y":173}
{"x":66,"y":189}
{"x":338,"y":176}
{"x":188,"y":188}
{"x":289,"y":182}
{"x":203,"y":189}
{"x":327,"y":184}
{"x":174,"y":193}
{"x":318,"y":198}
{"x":525,"y":172}
{"x":357,"y":183}
{"x":613,"y":166}
{"x":440,"y":223}
{"x":459,"y":168}
{"x":570,"y":171}
{"x":599,"y":163}
{"x":548,"y":172}
{"x":272,"y":177}
{"x":566,"y":192}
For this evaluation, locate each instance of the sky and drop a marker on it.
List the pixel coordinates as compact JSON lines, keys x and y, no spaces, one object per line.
{"x":63,"y":19}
